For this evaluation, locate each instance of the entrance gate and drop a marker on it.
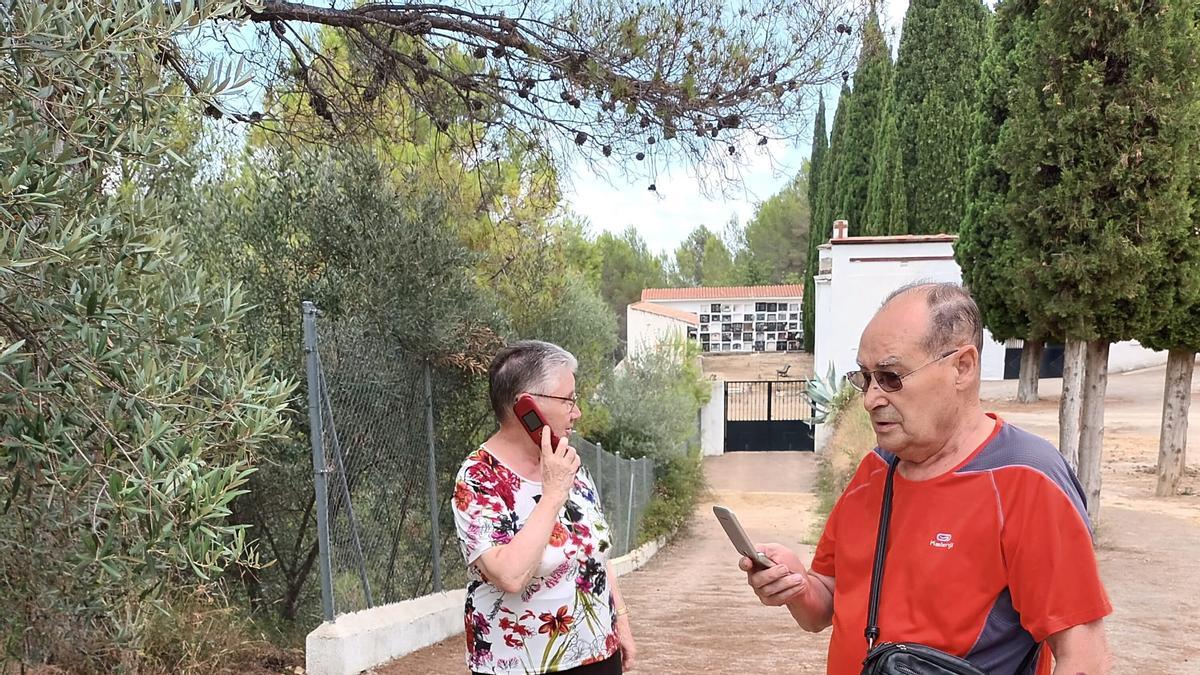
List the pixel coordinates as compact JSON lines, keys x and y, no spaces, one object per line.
{"x":768,"y":415}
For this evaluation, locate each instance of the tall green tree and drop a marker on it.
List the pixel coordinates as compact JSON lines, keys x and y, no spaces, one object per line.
{"x":1180,"y":336}
{"x":985,"y":249}
{"x":776,"y":239}
{"x":703,"y":259}
{"x":936,"y":94}
{"x":627,"y":266}
{"x":852,"y":164}
{"x":823,"y":208}
{"x":816,"y":165}
{"x":1100,"y":145}
{"x":132,"y":411}
{"x":886,"y":172}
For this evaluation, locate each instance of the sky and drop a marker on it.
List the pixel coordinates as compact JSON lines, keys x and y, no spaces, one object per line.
{"x":611,"y":202}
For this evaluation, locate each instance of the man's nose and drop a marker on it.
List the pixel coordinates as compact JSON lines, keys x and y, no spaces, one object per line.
{"x":874,"y":396}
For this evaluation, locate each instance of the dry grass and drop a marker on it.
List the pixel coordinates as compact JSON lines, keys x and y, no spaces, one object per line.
{"x":192,"y":633}
{"x":204,"y":634}
{"x":851,"y":440}
{"x":756,"y":365}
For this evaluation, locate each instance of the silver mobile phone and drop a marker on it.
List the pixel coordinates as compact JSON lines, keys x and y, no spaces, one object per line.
{"x":733,"y":529}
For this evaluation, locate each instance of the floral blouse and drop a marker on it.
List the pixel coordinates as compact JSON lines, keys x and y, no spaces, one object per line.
{"x":565,"y":617}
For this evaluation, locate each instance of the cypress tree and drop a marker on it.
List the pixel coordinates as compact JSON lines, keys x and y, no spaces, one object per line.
{"x":936,"y":94}
{"x":984,"y":249}
{"x":884,"y":167}
{"x":817,"y":230}
{"x":1098,"y":145}
{"x":822,"y":210}
{"x":816,"y":161}
{"x":852,"y":175}
{"x":1180,"y":334}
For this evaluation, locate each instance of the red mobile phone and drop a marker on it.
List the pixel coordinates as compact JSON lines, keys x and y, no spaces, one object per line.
{"x":531,"y":418}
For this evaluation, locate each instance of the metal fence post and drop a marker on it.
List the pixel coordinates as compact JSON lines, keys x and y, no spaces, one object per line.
{"x":629,"y":511}
{"x":320,"y":469}
{"x":434,"y":535}
{"x":599,"y":471}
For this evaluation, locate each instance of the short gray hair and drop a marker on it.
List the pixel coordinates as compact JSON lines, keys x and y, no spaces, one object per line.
{"x":525,"y":365}
{"x":954,"y":318}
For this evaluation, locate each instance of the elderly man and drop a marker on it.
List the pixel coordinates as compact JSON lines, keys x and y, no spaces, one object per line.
{"x":989,"y":555}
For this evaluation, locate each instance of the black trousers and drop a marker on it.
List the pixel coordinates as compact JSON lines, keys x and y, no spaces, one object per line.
{"x":609,"y":666}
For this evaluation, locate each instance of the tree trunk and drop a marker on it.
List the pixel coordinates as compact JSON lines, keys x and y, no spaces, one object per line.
{"x":1072,"y":400}
{"x":1172,"y":441}
{"x":1091,"y":427}
{"x":1031,"y":365}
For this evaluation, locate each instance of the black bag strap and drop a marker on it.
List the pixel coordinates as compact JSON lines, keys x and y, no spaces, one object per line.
{"x":885,"y":519}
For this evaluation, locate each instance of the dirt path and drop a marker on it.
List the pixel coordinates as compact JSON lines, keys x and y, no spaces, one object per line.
{"x":692,"y":611}
{"x":690,"y":606}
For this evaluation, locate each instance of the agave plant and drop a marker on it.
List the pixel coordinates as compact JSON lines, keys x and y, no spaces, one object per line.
{"x":824,"y":394}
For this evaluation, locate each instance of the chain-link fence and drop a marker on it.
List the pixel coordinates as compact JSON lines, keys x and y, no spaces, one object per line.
{"x":625,"y":487}
{"x":388,"y":433}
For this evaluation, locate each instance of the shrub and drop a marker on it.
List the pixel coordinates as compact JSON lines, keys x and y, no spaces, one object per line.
{"x":852,"y":438}
{"x":678,"y":485}
{"x":652,"y":403}
{"x":130,"y":408}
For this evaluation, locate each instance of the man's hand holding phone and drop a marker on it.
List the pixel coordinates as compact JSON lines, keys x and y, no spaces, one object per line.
{"x":558,"y":468}
{"x":781,"y":583}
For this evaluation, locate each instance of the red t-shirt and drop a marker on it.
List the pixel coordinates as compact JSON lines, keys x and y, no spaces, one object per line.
{"x":982,"y":561}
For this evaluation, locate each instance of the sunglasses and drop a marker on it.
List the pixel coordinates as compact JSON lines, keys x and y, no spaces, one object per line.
{"x":887,"y":380}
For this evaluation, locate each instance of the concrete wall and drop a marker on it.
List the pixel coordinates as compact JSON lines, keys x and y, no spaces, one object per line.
{"x":862,"y":276}
{"x":823,"y":345}
{"x":360,"y":641}
{"x":646,"y":330}
{"x":1131,"y":355}
{"x":712,"y":421}
{"x":1122,"y":356}
{"x":713,"y":327}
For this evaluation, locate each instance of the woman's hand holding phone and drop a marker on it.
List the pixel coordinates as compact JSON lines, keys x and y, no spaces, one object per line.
{"x":558,"y":468}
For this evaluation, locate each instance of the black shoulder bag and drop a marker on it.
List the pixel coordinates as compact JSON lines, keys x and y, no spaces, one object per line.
{"x":908,"y":658}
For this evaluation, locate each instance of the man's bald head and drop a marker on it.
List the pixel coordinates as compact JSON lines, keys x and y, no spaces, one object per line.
{"x":954,"y":318}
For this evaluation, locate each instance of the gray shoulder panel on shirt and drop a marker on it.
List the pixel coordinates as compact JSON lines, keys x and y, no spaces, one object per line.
{"x":1014,"y":447}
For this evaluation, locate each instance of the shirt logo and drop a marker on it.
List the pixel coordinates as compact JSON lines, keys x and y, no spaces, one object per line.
{"x":942,"y":540}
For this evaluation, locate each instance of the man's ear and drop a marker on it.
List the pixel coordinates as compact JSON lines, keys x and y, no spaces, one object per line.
{"x":966,"y":366}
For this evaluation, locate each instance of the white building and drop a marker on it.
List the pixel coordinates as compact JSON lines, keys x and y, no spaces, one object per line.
{"x":856,"y":274}
{"x":649,"y":324}
{"x":720,"y":319}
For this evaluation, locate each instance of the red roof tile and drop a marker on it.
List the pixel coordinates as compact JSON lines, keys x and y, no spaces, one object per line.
{"x":723,"y":292}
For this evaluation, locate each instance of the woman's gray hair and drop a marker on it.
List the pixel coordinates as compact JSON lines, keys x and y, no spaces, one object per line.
{"x":954,"y":318}
{"x":526,"y":365}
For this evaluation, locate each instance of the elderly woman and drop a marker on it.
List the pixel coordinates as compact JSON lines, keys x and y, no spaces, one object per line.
{"x":541,"y":598}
